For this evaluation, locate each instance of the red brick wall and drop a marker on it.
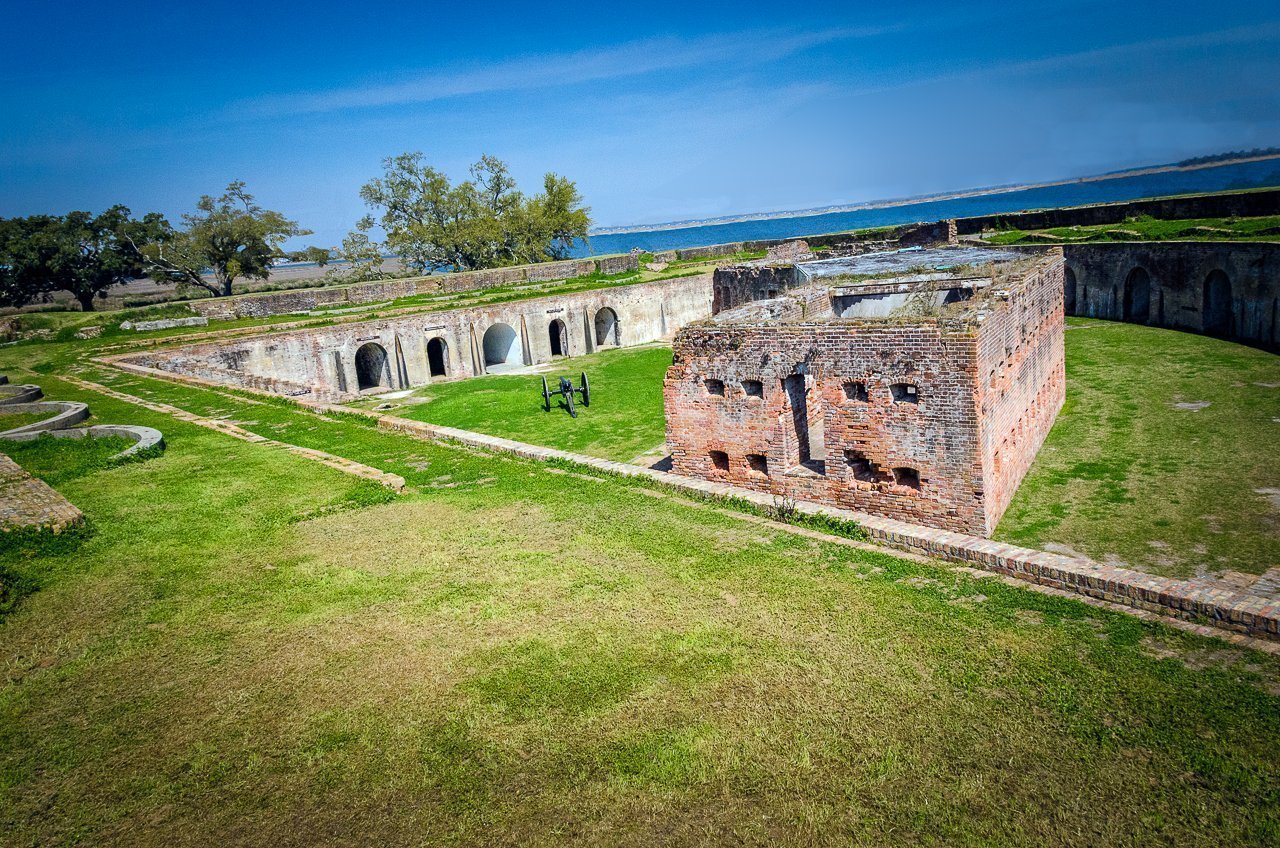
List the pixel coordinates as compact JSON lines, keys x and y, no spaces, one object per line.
{"x":963,"y":376}
{"x":938,"y":436}
{"x":1023,"y":381}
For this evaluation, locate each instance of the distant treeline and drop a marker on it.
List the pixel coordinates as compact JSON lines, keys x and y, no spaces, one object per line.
{"x":1233,"y":154}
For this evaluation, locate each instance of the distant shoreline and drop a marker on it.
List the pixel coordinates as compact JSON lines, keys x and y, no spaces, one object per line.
{"x":925,"y":198}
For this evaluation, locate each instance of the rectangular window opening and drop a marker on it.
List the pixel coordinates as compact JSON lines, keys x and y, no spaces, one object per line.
{"x":856,"y":391}
{"x":904,"y":393}
{"x":908,"y":477}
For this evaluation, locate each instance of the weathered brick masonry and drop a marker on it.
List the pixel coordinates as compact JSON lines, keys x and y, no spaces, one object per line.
{"x":335,"y":363}
{"x":930,"y":420}
{"x":1225,"y":289}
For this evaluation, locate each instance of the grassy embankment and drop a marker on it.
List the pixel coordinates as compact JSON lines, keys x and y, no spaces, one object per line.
{"x":62,"y":326}
{"x":1151,"y":229}
{"x":1135,"y":468}
{"x":255,"y":648}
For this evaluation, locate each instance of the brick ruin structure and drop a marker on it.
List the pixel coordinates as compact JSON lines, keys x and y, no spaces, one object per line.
{"x":913,"y":384}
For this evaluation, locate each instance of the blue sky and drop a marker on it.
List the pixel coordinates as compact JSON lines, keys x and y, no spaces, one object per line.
{"x":659,"y":112}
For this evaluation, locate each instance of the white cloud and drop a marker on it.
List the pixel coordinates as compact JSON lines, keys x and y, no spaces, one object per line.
{"x":550,"y":70}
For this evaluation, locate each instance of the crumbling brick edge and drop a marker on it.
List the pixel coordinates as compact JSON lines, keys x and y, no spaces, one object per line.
{"x":1220,"y":609}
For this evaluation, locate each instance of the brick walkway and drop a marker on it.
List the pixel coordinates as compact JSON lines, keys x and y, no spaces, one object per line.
{"x":28,"y":502}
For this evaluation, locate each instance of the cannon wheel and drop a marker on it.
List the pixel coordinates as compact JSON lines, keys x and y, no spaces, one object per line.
{"x":546,"y":395}
{"x":586,"y":390}
{"x":568,"y":397}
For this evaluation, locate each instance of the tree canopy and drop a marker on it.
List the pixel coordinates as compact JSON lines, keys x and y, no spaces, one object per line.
{"x":483,"y":222}
{"x":81,"y":253}
{"x":226,"y":238}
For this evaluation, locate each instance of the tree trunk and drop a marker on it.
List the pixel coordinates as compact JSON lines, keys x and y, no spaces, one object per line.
{"x":86,"y":301}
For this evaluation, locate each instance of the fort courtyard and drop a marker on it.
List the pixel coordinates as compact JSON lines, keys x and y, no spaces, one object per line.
{"x":959,"y":532}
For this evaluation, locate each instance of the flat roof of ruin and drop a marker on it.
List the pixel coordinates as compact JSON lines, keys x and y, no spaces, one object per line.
{"x":907,"y":259}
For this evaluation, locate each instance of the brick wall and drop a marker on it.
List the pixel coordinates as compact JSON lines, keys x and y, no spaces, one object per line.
{"x":1225,"y":289}
{"x":826,"y":403}
{"x":322,"y":360}
{"x":738,"y":284}
{"x":1022,"y":381}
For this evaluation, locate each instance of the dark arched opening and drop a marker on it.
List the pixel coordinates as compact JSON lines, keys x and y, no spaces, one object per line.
{"x":438,"y":357}
{"x":1217,"y":308}
{"x":501,"y":345}
{"x":606,"y":327}
{"x":1137,"y":296}
{"x":372,"y":368}
{"x":559,"y":338}
{"x":1069,"y":291}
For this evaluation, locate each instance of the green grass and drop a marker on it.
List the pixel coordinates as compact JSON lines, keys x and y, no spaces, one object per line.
{"x":1152,"y":229}
{"x":58,"y":460}
{"x":13,"y":420}
{"x":1127,"y":474}
{"x":624,"y":420}
{"x":252,"y":647}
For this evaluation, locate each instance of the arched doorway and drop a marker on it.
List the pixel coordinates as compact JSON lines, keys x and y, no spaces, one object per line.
{"x":559,"y":338}
{"x":1216,"y":309}
{"x":1069,"y":291}
{"x":501,"y":347}
{"x":606,"y":327}
{"x":373,"y":370}
{"x":438,"y":357}
{"x":1137,"y":296}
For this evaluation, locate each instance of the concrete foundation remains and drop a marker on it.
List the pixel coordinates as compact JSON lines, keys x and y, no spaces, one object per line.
{"x":917,"y":384}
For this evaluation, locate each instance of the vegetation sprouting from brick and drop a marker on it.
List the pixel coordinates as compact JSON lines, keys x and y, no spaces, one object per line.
{"x":1146,"y":228}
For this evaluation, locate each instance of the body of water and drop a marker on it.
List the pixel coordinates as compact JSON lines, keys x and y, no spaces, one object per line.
{"x":1220,"y":178}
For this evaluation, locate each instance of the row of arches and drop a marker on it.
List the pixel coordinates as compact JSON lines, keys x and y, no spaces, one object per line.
{"x":1135,"y":299}
{"x":500,"y":346}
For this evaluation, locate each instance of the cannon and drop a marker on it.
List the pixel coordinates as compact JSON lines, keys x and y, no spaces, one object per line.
{"x":567,"y":391}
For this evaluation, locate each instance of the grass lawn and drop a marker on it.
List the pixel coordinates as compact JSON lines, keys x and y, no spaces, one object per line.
{"x":1164,"y":456}
{"x":1135,"y":469}
{"x":625,"y":418}
{"x":253,"y":648}
{"x":13,"y":420}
